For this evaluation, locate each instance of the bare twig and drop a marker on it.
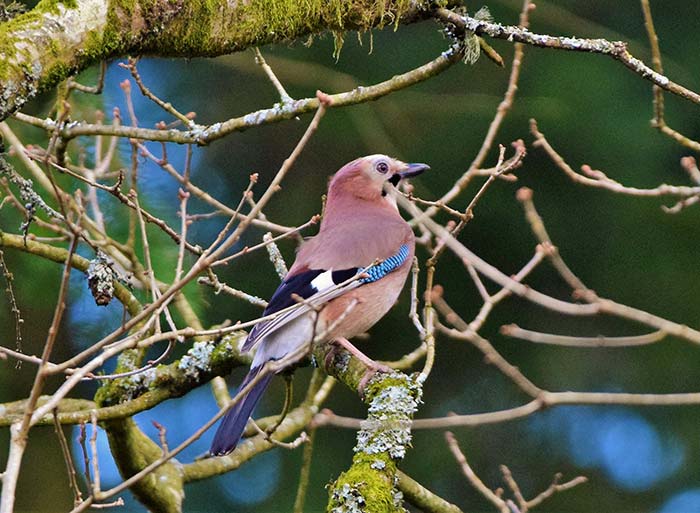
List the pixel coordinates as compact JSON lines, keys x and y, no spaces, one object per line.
{"x":68,"y":459}
{"x":599,"y":180}
{"x":512,"y":330}
{"x":418,"y":495}
{"x":659,"y":120}
{"x":213,"y":281}
{"x":97,"y":88}
{"x":555,"y":487}
{"x":259,"y":59}
{"x":501,"y":112}
{"x":304,"y":473}
{"x":20,"y":430}
{"x":261,"y":117}
{"x":269,"y":243}
{"x":471,"y":476}
{"x":14,"y":308}
{"x":614,"y":49}
{"x":166,"y":106}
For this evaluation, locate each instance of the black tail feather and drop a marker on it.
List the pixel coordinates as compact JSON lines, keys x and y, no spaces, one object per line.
{"x":233,"y":424}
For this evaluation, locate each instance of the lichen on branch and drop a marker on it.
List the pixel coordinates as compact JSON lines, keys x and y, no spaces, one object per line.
{"x":370,"y":484}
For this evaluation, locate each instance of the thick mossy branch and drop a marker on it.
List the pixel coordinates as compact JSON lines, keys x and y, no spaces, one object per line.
{"x":13,"y":411}
{"x":204,"y":361}
{"x":44,"y":46}
{"x":370,"y":484}
{"x":161,"y":491}
{"x":56,"y":39}
{"x":123,"y":397}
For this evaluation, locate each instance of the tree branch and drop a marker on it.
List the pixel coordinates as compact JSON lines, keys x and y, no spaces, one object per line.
{"x":615,"y":49}
{"x":279,"y":112}
{"x":56,"y":39}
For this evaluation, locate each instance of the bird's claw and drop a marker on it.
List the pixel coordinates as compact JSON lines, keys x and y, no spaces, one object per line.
{"x":372,"y":369}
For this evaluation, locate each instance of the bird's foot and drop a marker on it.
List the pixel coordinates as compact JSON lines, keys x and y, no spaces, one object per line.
{"x":372,"y":366}
{"x":369,"y":374}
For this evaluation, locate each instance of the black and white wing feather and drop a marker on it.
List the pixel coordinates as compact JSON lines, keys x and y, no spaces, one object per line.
{"x":317,"y":286}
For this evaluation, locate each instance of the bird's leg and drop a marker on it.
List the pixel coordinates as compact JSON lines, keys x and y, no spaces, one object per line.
{"x":372,"y":366}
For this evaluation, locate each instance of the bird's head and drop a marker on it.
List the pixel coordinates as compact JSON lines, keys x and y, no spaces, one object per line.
{"x":372,"y":178}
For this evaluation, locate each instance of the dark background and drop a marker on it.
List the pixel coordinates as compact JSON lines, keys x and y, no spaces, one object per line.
{"x":593,"y":111}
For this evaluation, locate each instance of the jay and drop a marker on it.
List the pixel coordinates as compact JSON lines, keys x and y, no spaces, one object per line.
{"x":349,"y":276}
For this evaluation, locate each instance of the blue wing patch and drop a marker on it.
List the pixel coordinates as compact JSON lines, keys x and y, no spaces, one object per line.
{"x":377,"y":272}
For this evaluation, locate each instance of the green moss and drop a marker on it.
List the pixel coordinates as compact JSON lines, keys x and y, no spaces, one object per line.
{"x":383,"y":382}
{"x":370,"y":483}
{"x":201,"y":30}
{"x":263,"y":22}
{"x":364,"y":489}
{"x":161,"y":490}
{"x":115,"y":391}
{"x":54,"y":48}
{"x":52,"y":5}
{"x":197,"y":31}
{"x":55,"y":74}
{"x":111,"y":41}
{"x":203,"y":361}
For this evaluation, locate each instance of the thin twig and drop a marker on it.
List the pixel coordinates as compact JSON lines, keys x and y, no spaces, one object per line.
{"x":275,"y":255}
{"x":512,"y":330}
{"x":14,"y":308}
{"x":524,"y":196}
{"x":68,"y":459}
{"x":596,"y":305}
{"x":82,"y":441}
{"x":127,"y":200}
{"x":20,"y":430}
{"x":213,"y":281}
{"x":615,"y":49}
{"x":97,"y":88}
{"x":221,"y":208}
{"x":269,"y":243}
{"x":598,"y":180}
{"x":262,"y":117}
{"x":166,"y":106}
{"x":501,"y":112}
{"x":493,"y":357}
{"x":304,"y":473}
{"x":94,"y":457}
{"x":259,"y":59}
{"x":471,"y":476}
{"x":555,"y":487}
{"x":659,"y":120}
{"x":424,"y":499}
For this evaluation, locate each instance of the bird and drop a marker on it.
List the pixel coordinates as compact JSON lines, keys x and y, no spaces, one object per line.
{"x":349,"y":275}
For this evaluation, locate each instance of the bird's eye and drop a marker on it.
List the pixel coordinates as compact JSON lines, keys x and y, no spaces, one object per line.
{"x":382,"y":167}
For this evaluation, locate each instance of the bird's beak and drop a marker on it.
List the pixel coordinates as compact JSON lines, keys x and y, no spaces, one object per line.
{"x":413,"y":170}
{"x":409,"y":171}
